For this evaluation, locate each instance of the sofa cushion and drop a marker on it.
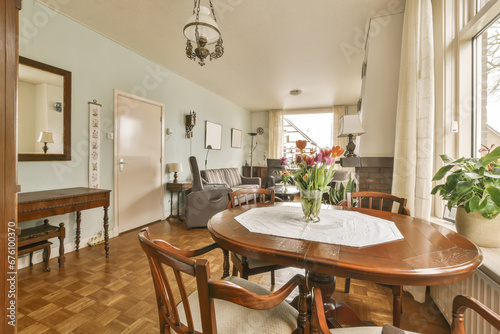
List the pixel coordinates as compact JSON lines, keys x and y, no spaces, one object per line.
{"x":232,"y":176}
{"x":215,"y":176}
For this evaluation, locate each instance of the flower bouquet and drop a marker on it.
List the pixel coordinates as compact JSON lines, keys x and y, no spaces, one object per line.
{"x":313,"y":176}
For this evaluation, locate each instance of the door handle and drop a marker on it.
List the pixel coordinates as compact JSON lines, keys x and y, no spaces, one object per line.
{"x":121,"y":164}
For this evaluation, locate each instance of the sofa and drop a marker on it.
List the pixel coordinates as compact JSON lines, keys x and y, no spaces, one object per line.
{"x":209,"y":192}
{"x":230,"y":177}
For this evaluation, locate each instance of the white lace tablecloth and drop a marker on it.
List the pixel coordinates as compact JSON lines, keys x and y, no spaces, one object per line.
{"x":347,"y":228}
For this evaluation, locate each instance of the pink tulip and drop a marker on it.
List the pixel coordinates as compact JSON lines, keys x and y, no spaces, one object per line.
{"x":329,"y":161}
{"x":326,"y":152}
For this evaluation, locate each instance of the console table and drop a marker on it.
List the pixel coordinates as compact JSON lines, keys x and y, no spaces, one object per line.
{"x":46,"y":203}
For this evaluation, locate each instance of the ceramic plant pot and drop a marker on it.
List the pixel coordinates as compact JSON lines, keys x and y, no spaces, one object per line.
{"x":483,"y":232}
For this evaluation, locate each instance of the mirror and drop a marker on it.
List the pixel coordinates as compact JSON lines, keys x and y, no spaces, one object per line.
{"x":44,"y":112}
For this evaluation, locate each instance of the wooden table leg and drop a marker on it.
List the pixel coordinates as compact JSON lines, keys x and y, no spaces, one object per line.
{"x":225,"y":264}
{"x":62,"y":235}
{"x":78,"y":231}
{"x":106,"y":235}
{"x":46,"y":256}
{"x":337,"y":313}
{"x":397,"y":292}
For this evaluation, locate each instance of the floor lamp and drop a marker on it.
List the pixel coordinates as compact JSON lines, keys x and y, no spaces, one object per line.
{"x":252,"y":134}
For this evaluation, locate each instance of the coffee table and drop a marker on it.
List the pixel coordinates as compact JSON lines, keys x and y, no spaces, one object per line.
{"x":287,"y":196}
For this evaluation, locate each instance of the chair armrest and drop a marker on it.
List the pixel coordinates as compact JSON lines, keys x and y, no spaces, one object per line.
{"x":187,"y":252}
{"x":234,"y":293}
{"x":250,"y":180}
{"x":462,"y":303}
{"x":202,"y":205}
{"x":270,"y":181}
{"x":214,"y":185}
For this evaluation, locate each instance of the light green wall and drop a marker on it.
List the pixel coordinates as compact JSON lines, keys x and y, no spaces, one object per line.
{"x":98,"y":66}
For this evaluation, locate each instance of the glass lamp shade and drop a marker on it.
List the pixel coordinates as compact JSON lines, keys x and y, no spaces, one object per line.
{"x":207,"y":27}
{"x":46,"y":137}
{"x":175,"y":167}
{"x":350,"y":125}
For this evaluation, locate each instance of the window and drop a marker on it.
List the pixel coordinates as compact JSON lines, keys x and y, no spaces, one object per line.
{"x":480,"y":4}
{"x":316,"y":129}
{"x":486,"y":45}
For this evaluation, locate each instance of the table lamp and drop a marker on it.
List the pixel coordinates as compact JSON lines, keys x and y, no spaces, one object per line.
{"x":350,"y":126}
{"x":45,"y":137}
{"x":175,"y":167}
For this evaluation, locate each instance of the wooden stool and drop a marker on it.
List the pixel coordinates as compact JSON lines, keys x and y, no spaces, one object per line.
{"x":45,"y":245}
{"x":35,"y":235}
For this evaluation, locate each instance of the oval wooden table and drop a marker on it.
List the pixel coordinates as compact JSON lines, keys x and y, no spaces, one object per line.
{"x":429,"y":254}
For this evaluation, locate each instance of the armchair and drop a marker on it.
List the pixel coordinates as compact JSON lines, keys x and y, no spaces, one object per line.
{"x":274,"y":168}
{"x":203,"y":199}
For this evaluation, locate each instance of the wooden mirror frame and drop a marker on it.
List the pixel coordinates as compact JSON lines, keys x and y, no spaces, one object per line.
{"x":66,"y":155}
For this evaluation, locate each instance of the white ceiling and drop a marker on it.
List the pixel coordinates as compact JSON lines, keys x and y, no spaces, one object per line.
{"x":271,"y":46}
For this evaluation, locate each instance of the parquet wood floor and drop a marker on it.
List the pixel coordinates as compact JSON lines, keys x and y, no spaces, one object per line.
{"x":92,"y":294}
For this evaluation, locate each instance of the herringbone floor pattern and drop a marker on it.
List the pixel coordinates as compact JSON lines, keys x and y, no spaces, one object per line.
{"x":92,"y":294}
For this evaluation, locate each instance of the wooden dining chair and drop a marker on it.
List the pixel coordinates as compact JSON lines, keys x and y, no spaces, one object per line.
{"x":319,"y":324}
{"x":230,"y":305}
{"x":376,"y":200}
{"x":385,"y":202}
{"x":245,"y":266}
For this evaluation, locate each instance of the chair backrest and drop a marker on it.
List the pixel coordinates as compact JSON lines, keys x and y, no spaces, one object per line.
{"x":171,"y":289}
{"x":251,"y":196}
{"x":197,"y":185}
{"x":377,"y":200}
{"x":274,"y":168}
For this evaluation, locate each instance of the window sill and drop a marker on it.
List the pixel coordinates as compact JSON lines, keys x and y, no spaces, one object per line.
{"x":491,"y":262}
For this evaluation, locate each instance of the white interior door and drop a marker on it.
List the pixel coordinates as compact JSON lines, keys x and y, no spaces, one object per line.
{"x":138,"y":161}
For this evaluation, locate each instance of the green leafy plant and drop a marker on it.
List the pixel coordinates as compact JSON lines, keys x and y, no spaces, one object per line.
{"x":339,"y":192}
{"x":472,"y":182}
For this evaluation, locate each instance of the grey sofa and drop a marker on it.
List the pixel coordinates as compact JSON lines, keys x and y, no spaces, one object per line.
{"x":209,"y":194}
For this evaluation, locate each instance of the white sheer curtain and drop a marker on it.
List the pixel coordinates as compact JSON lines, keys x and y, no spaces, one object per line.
{"x":275,"y":134}
{"x":413,"y":156}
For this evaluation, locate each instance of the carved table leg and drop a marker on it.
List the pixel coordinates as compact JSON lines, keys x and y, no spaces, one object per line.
{"x":397,"y":292}
{"x":106,"y":235}
{"x":337,"y":313}
{"x":78,"y":231}
{"x":62,"y":235}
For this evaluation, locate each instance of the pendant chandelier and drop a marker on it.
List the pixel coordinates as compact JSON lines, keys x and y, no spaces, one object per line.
{"x":203,"y":30}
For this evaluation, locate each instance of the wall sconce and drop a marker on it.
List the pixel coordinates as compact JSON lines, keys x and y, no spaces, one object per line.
{"x":45,"y":137}
{"x":350,"y":126}
{"x":175,"y":167}
{"x":190,"y":123}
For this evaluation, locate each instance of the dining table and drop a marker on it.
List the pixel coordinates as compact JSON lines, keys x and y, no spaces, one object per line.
{"x":422,"y":254}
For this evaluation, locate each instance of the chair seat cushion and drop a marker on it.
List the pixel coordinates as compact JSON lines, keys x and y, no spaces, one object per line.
{"x":232,"y":318}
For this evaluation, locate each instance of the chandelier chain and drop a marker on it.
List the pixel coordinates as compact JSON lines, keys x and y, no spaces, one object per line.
{"x":212,"y":8}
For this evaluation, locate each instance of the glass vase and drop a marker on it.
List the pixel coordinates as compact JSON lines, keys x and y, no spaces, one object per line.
{"x":311,"y":204}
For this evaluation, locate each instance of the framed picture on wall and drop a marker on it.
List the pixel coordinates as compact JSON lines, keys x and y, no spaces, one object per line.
{"x":213,"y":135}
{"x":235,"y":138}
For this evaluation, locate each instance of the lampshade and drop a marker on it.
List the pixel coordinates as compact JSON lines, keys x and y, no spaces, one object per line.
{"x":350,"y":125}
{"x":45,"y":137}
{"x":207,"y":27}
{"x":175,"y":167}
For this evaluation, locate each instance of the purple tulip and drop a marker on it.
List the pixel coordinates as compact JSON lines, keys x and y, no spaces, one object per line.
{"x":318,"y":158}
{"x":283,"y":161}
{"x":298,"y":158}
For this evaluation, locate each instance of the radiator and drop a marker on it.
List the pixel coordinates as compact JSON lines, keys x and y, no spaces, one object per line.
{"x":478,"y":286}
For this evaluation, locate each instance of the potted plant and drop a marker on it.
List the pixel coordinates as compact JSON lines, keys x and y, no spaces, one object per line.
{"x":473,"y":185}
{"x":314,"y":174}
